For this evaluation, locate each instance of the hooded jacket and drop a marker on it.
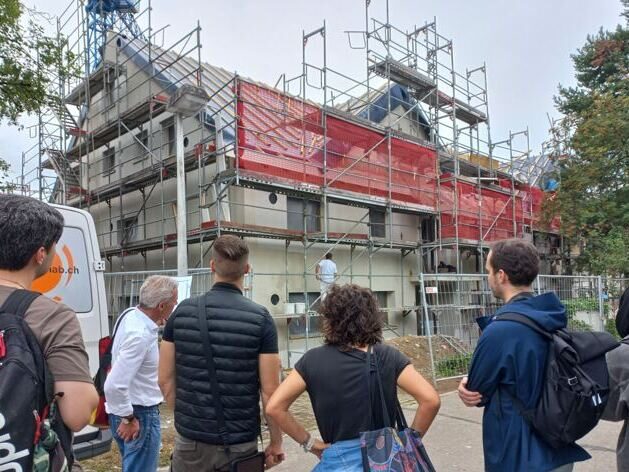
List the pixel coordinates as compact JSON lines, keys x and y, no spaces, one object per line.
{"x":510,"y":361}
{"x":617,"y":408}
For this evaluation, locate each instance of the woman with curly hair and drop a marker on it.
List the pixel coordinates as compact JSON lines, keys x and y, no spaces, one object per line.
{"x":335,"y":376}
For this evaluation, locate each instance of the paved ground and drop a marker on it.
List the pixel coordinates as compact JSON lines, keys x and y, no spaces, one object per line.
{"x":455,"y":444}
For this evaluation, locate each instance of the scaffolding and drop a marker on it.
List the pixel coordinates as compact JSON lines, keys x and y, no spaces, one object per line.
{"x":400,"y":161}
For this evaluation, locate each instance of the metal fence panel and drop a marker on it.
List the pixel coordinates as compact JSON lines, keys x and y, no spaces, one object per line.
{"x":449,"y":306}
{"x":452,"y":302}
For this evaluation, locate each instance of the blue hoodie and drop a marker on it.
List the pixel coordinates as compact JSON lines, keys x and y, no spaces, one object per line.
{"x":510,"y":360}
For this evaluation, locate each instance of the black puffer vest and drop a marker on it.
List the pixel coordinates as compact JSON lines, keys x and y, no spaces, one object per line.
{"x":236,"y":327}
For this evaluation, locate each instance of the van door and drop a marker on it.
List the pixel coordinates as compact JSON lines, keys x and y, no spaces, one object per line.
{"x":76,"y":278}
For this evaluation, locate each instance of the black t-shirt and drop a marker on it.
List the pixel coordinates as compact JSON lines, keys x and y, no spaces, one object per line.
{"x":336,"y":382}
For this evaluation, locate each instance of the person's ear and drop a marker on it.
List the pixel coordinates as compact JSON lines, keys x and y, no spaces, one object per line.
{"x":247,"y":268}
{"x":40,"y":256}
{"x":212,"y":265}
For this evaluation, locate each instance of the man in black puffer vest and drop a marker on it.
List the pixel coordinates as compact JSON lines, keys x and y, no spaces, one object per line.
{"x":243,"y":341}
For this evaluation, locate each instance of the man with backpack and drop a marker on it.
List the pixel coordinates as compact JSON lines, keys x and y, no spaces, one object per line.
{"x":227,"y":357}
{"x":507,"y":373}
{"x":46,"y":390}
{"x":131,"y":391}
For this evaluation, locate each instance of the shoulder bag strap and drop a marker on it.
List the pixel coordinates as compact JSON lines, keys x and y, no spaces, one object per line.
{"x":119,"y":320}
{"x":383,"y":403}
{"x":525,"y":320}
{"x":19,"y":301}
{"x":369,"y":397}
{"x":207,"y":347}
{"x":398,"y":417}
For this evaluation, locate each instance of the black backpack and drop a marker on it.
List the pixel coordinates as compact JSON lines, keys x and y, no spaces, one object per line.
{"x":27,"y":393}
{"x":576,"y":383}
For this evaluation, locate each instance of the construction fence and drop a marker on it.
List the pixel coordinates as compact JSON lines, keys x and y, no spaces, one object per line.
{"x":451,"y":303}
{"x":442,"y":311}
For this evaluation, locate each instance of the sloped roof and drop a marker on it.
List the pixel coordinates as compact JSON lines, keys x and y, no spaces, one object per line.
{"x":532,"y":169}
{"x":373,"y":104}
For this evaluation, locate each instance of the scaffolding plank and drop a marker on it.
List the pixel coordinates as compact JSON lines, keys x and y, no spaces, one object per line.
{"x":132,"y":118}
{"x":421,"y":85}
{"x":94,"y":84}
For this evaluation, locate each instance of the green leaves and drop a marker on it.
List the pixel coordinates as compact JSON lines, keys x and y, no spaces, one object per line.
{"x":593,"y":198}
{"x":32,"y":64}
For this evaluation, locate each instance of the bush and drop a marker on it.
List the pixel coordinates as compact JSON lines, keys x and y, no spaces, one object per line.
{"x":578,"y":325}
{"x":580,"y":304}
{"x":453,"y":365}
{"x":610,"y":327}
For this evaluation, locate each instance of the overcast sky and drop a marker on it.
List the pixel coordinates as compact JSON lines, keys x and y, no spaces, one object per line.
{"x":526,"y":44}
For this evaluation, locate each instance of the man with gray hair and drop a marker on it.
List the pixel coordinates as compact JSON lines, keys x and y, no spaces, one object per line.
{"x":131,"y":391}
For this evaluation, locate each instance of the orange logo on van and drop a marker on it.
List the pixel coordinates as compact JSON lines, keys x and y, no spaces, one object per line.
{"x":60,"y":273}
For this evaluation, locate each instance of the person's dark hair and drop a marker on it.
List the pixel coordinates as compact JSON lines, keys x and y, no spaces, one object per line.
{"x":230,"y":254}
{"x":351,"y":317}
{"x":519,"y":259}
{"x":622,"y":317}
{"x":328,"y":255}
{"x":26,"y":225}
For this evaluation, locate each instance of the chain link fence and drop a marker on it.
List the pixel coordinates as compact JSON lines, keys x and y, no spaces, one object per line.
{"x":451,"y":303}
{"x":446,"y":308}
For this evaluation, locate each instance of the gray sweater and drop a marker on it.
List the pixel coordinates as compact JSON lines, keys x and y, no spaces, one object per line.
{"x":617,"y":408}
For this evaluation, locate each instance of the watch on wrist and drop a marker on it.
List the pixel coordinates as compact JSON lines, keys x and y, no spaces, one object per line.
{"x":308,"y":443}
{"x":128,"y":419}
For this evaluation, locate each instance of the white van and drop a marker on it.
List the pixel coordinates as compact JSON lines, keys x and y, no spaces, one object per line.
{"x":76,"y":278}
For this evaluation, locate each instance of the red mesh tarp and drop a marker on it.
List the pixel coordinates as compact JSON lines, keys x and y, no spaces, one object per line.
{"x":283,"y":137}
{"x":532,"y":202}
{"x":486,"y":216}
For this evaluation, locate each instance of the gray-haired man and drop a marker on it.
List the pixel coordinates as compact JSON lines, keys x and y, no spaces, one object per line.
{"x":131,"y":391}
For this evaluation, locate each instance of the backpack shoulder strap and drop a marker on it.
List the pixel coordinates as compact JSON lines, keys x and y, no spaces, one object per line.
{"x":18,"y":302}
{"x":525,"y":320}
{"x":119,"y":320}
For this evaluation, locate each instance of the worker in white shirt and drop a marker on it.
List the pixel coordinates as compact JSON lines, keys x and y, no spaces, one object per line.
{"x":326,"y":274}
{"x":132,"y":395}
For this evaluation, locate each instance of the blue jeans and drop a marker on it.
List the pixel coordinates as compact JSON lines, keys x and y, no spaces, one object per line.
{"x":141,"y":454}
{"x":342,"y":456}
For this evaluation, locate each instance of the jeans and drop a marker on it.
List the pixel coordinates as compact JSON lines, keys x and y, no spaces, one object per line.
{"x":342,"y":456}
{"x":141,"y":454}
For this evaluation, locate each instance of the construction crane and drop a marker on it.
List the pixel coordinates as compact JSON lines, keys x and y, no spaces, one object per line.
{"x":105,"y":16}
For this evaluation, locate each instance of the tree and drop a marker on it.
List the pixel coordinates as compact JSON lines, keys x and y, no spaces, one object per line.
{"x":28,"y":60}
{"x":593,"y":198}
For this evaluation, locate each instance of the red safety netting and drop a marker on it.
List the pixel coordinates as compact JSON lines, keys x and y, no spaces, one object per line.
{"x":282,"y":137}
{"x":487,"y":216}
{"x":532,"y":202}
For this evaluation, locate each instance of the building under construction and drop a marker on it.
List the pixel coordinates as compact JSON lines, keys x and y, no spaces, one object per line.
{"x":395,"y":171}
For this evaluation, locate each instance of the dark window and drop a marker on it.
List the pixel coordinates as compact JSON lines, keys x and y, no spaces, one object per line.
{"x":275,"y":299}
{"x":127,"y":230}
{"x":428,"y":229}
{"x":109,"y":88}
{"x":109,"y":161}
{"x":297,"y":325}
{"x":297,"y":209}
{"x":168,"y":136}
{"x":377,"y":223}
{"x":383,"y":298}
{"x":142,"y":140}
